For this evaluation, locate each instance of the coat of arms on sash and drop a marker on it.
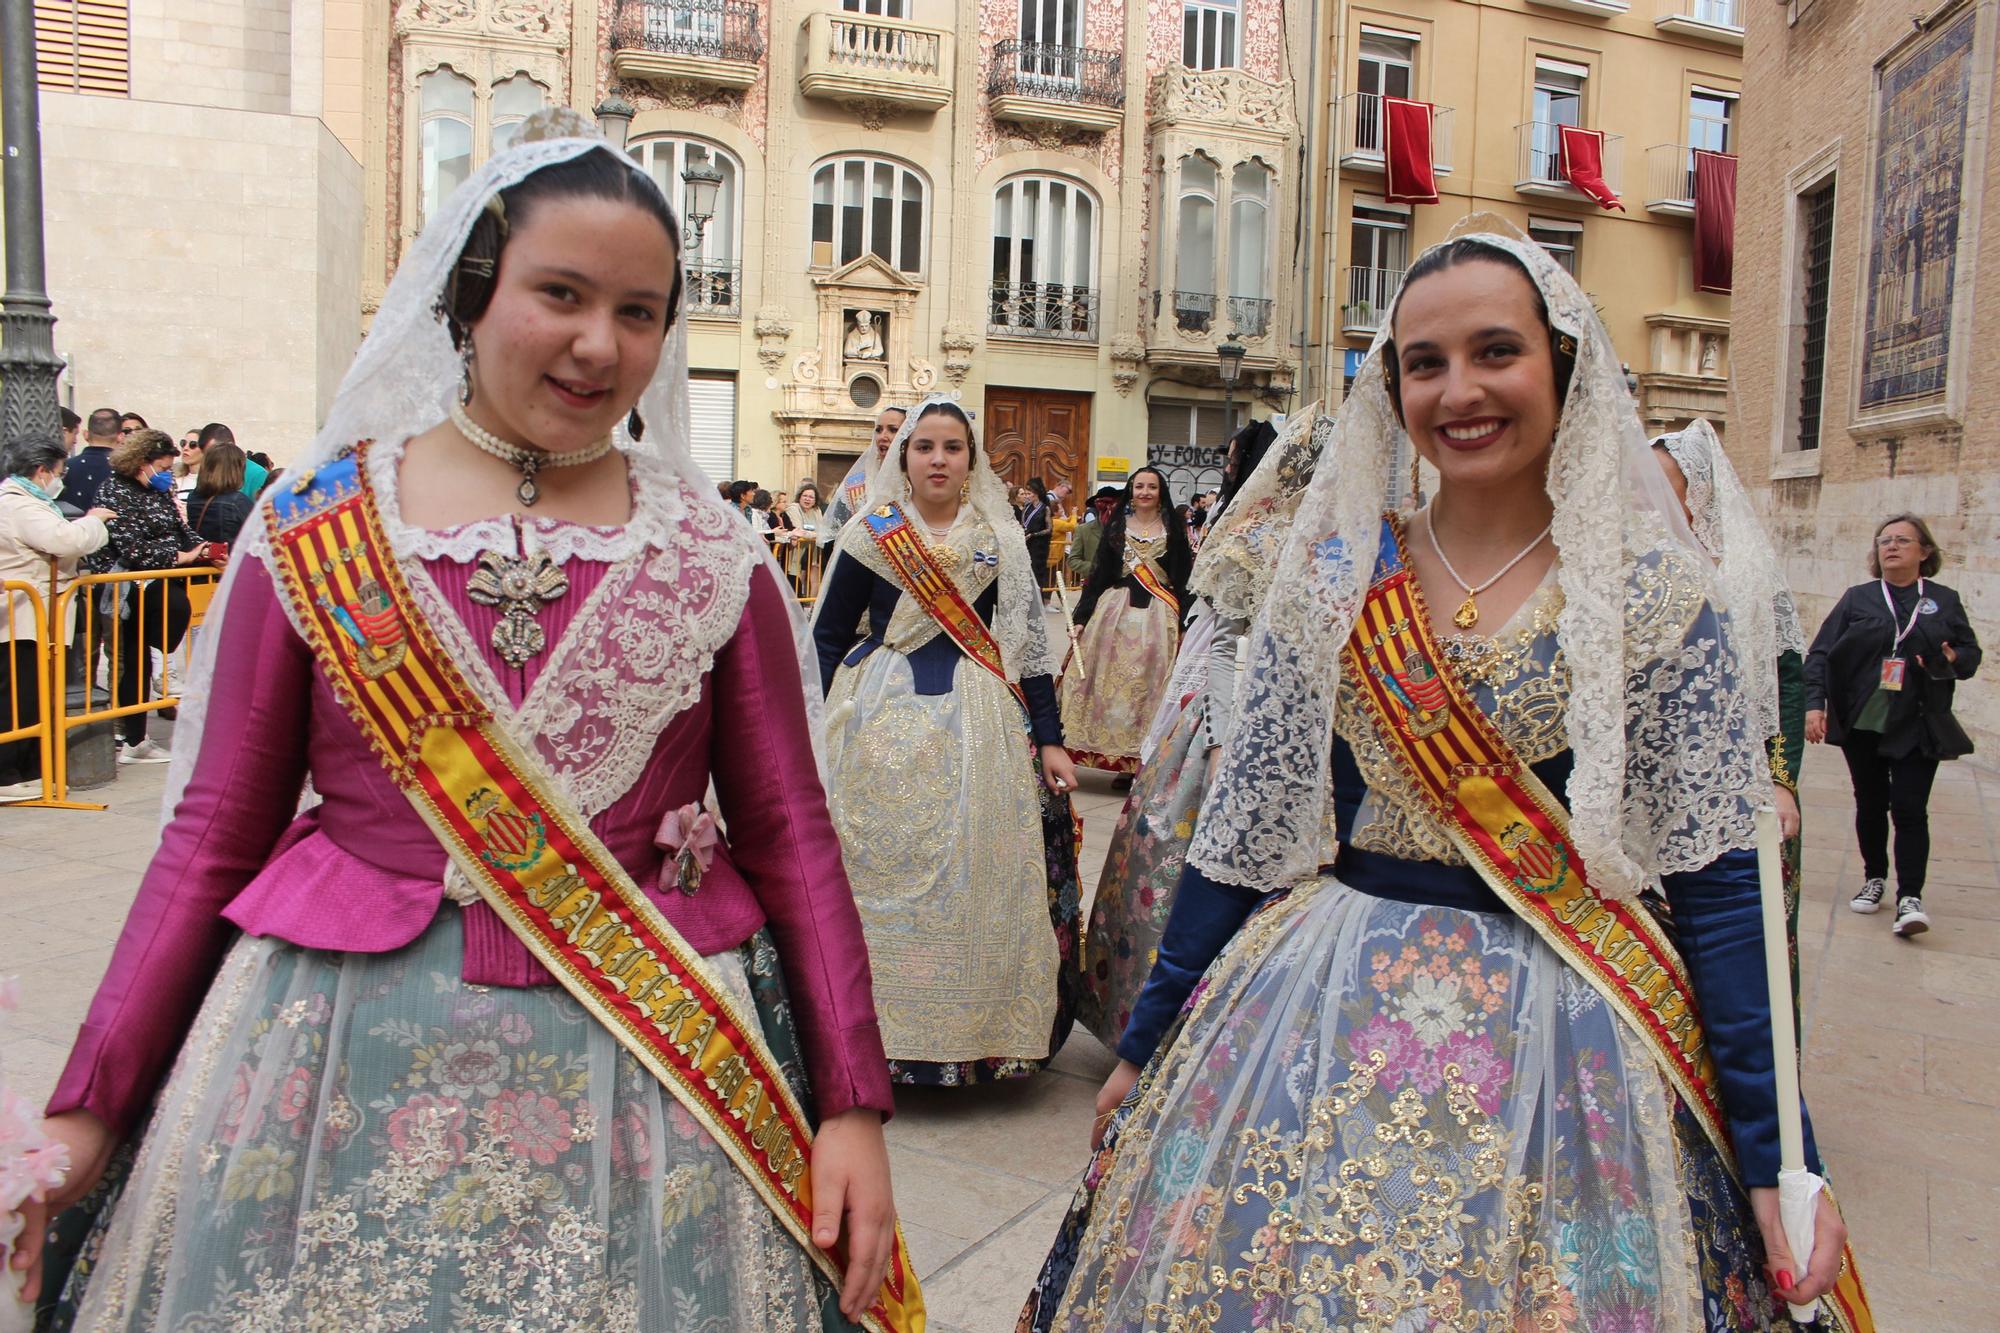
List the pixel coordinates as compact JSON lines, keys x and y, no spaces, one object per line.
{"x":372,"y":626}
{"x":514,"y":841}
{"x":1540,"y":863}
{"x":1415,"y":684}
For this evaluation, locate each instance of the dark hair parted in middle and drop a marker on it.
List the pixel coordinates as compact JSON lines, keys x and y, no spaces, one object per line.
{"x":1469,"y":250}
{"x":595,"y":174}
{"x":946,"y":409}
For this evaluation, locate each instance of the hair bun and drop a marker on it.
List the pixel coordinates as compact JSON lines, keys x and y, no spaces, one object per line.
{"x":558,"y":122}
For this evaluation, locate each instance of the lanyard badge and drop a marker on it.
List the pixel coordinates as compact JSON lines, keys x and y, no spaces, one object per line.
{"x":1894,"y":666}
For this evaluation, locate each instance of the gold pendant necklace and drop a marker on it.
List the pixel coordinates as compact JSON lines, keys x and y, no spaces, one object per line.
{"x":1467,"y":614}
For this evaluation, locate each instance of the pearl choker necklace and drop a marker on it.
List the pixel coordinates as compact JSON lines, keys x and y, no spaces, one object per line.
{"x":529,"y":461}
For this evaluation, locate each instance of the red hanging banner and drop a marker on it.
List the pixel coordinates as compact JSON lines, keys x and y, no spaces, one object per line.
{"x":1580,"y":153}
{"x":1714,"y":220}
{"x":1406,"y":151}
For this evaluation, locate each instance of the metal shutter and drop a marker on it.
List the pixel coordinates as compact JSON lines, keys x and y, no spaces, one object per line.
{"x":712,"y":423}
{"x":82,"y":46}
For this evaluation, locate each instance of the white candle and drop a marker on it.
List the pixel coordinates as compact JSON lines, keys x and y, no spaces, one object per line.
{"x":1778,"y":969}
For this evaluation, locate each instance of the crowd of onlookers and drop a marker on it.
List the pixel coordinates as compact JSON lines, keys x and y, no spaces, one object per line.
{"x":122,"y":498}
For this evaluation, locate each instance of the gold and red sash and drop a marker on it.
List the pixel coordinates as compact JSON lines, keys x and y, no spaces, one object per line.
{"x":935,"y":591}
{"x":493,"y":806}
{"x":1515,"y":833}
{"x":1157,"y":586}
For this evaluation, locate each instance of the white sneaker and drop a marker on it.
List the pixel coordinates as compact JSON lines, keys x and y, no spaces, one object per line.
{"x":21,"y":791}
{"x":1910,"y":917}
{"x":148,"y":751}
{"x":1869,"y":900}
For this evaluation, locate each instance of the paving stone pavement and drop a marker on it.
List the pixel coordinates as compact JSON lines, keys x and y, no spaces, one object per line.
{"x":1902,"y":1056}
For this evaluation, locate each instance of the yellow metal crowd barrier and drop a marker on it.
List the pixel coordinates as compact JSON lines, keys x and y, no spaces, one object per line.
{"x":116,"y":615}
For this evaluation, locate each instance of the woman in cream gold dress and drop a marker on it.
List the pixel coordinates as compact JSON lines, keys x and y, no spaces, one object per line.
{"x":946,"y":762}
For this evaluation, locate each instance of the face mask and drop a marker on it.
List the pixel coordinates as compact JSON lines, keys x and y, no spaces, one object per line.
{"x":162,"y":481}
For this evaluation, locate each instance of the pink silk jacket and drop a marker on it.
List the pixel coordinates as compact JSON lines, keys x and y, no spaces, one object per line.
{"x":360,"y":872}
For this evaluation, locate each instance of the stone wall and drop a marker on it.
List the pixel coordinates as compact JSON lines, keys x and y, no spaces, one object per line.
{"x":1809,"y":110}
{"x":219,"y":53}
{"x":204,"y":263}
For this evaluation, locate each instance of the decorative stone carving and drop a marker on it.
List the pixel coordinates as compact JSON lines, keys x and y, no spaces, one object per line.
{"x":923,"y":375}
{"x":1711,"y":354}
{"x":864,"y":340}
{"x":1127,"y":355}
{"x":1228,"y":99}
{"x":959,"y":342}
{"x":774,"y":329}
{"x":805,"y":369}
{"x":873,"y":112}
{"x":536,"y":21}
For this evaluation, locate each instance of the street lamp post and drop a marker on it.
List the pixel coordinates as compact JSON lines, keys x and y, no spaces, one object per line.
{"x":29,"y":365}
{"x":704,"y":183}
{"x":614,"y":117}
{"x":1229,"y":364}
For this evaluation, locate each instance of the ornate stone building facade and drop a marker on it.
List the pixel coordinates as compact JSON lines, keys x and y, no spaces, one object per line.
{"x":1056,"y":210}
{"x":1866,"y":258}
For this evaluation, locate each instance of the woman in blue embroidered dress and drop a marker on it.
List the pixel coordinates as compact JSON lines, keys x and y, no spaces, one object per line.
{"x":948,"y":778}
{"x":1392,"y":1103}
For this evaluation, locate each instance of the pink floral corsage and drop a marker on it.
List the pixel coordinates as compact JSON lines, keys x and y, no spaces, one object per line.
{"x":691,"y":834}
{"x":30,"y":1166}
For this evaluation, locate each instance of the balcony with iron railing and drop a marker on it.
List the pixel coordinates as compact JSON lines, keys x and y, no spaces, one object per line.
{"x":1540,"y":172}
{"x":1370,"y":293}
{"x":1250,"y":316}
{"x":1362,"y":140}
{"x":1710,"y":20}
{"x":1035,"y":83}
{"x":1670,"y":180}
{"x":713,"y":291}
{"x":716,"y":43}
{"x":1050,"y":310}
{"x":872,"y":63}
{"x":1597,"y":9}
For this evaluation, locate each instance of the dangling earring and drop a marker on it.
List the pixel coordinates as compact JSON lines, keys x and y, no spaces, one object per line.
{"x":965,"y":490}
{"x":465,"y":357}
{"x":1416,"y":477}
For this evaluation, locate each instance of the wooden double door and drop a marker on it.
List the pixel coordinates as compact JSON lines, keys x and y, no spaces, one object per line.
{"x":1039,"y":433}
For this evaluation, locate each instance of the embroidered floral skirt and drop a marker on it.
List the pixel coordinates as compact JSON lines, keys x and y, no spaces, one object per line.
{"x":1128,"y":659}
{"x":1148,"y":850}
{"x":363,"y":1141}
{"x":1380,"y":1116}
{"x":963,"y":867}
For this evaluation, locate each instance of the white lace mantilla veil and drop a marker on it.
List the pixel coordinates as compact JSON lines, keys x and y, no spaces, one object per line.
{"x":407,"y":374}
{"x":1669,"y":768}
{"x":1726,"y":525}
{"x":1019,"y":623}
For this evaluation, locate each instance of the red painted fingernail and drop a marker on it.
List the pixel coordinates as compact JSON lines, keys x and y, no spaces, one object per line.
{"x":1784,"y":1279}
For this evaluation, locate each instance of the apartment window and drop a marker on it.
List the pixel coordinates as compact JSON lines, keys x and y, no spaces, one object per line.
{"x":1558,"y":102}
{"x":1816,"y":281}
{"x":867,"y":205}
{"x":1378,"y":251}
{"x":1190,"y":425}
{"x":1562,"y":238}
{"x":1710,"y":119}
{"x":514,"y":100}
{"x":1249,"y":230}
{"x":444,"y":100}
{"x":1209,"y":33}
{"x":1194,"y":256}
{"x":886,"y":9}
{"x":667,"y":159}
{"x":83,"y":46}
{"x":1388,"y":68}
{"x":1044,"y":259}
{"x":1052,"y":22}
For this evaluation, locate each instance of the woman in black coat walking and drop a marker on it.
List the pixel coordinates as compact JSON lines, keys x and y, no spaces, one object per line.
{"x":1879,"y":681}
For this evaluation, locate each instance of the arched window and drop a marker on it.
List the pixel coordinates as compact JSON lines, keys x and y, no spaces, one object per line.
{"x":713,"y":263}
{"x":1194,"y":260}
{"x":1249,"y":248}
{"x":514,"y":100}
{"x":1044,"y":259}
{"x":445,"y":116}
{"x":868,"y":205}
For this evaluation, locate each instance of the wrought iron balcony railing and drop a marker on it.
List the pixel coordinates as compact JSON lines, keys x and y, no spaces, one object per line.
{"x":706,"y":29}
{"x":713,"y":290}
{"x":1043,"y":310}
{"x":1540,"y":167}
{"x":1072,"y":74}
{"x":1194,"y":312}
{"x":1370,"y":292}
{"x":1363,"y":138}
{"x":1251,"y":315}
